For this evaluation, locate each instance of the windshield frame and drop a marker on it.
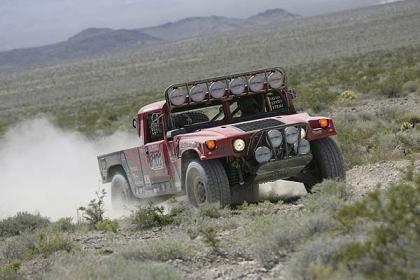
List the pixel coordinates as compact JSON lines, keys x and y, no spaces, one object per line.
{"x":229,"y":118}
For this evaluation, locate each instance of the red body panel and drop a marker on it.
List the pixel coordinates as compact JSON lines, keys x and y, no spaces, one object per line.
{"x":226,"y":134}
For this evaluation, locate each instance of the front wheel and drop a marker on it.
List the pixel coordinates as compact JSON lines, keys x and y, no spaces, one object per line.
{"x":327,"y":163}
{"x":207,"y":182}
{"x":121,"y":195}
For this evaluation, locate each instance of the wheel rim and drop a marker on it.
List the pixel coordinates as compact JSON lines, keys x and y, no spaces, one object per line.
{"x":199,"y":189}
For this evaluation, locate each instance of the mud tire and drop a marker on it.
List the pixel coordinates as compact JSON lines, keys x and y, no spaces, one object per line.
{"x":207,"y":182}
{"x":327,"y":163}
{"x":121,"y":195}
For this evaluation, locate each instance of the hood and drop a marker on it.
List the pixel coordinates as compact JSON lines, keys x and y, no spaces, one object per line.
{"x":244,"y":128}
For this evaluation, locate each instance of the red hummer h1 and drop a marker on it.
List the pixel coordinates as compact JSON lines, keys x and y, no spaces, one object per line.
{"x":217,"y":139}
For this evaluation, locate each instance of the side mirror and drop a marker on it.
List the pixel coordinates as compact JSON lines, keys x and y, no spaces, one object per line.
{"x":171,"y":134}
{"x":134,"y":123}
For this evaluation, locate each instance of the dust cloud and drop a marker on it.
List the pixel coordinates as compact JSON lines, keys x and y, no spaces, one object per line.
{"x":51,"y":171}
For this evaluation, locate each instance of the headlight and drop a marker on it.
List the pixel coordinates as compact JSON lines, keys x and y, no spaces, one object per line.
{"x":217,"y":90}
{"x":302,"y":133}
{"x":239,"y":145}
{"x":276,"y":80}
{"x":237,"y":86}
{"x":292,"y":134}
{"x":276,"y":138}
{"x":263,"y":154}
{"x":197,"y":93}
{"x":178,"y":96}
{"x":256,"y":83}
{"x":303,"y":148}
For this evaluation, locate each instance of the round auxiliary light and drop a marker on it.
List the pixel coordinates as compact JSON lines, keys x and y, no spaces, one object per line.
{"x":256,"y":83}
{"x":237,"y":86}
{"x":276,"y":138}
{"x":276,"y":80}
{"x":292,"y":134}
{"x":217,"y":90}
{"x":303,"y":148}
{"x":197,"y":93}
{"x":263,"y":154}
{"x":239,"y":145}
{"x":178,"y":96}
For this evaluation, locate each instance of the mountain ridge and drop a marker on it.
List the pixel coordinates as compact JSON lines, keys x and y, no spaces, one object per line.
{"x":96,"y":41}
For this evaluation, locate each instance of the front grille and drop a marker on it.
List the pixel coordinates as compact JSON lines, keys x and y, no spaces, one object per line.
{"x":261,"y":138}
{"x":261,"y":124}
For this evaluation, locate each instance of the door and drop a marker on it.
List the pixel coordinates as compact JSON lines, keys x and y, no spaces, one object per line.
{"x":155,"y":159}
{"x":130,"y":160}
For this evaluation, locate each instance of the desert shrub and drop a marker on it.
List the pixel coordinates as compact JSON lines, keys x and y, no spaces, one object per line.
{"x":157,"y":251}
{"x":412,"y":118}
{"x":327,"y":196}
{"x":149,"y":217}
{"x":28,"y":245}
{"x":310,"y":258}
{"x":10,"y":271}
{"x":19,"y":247}
{"x":409,"y":141}
{"x":181,"y":214}
{"x":94,"y":212}
{"x":388,"y":246}
{"x":210,"y":238}
{"x":390,"y":90}
{"x":90,"y":267}
{"x":210,"y":210}
{"x":64,"y":225}
{"x":107,"y":225}
{"x":272,"y":239}
{"x":348,"y":95}
{"x":48,"y":242}
{"x":410,"y":87}
{"x":22,"y":222}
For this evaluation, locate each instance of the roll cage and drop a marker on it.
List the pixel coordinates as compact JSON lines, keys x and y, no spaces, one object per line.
{"x":229,"y":98}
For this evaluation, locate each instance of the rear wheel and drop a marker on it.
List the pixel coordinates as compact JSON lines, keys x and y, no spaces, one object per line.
{"x":207,"y":182}
{"x":327,"y":163}
{"x":121,"y":195}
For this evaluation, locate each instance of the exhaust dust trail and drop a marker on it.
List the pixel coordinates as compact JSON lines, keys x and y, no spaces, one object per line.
{"x":47,"y":170}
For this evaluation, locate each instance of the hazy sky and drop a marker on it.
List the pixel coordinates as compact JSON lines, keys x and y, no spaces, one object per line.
{"x":26,"y":23}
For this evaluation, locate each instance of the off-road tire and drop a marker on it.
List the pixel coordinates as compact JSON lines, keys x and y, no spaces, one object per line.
{"x":327,"y":163}
{"x":121,"y":195}
{"x":189,"y":118}
{"x":210,"y":177}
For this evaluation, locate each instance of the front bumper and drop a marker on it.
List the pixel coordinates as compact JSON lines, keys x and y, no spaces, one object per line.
{"x":281,"y":169}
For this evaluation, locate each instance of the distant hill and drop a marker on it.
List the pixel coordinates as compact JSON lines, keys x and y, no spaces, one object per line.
{"x":97,"y":41}
{"x":271,"y":17}
{"x":192,"y":27}
{"x":199,"y":26}
{"x":90,"y":42}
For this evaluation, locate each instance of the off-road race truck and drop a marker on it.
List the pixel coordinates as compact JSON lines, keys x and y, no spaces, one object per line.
{"x":217,"y":139}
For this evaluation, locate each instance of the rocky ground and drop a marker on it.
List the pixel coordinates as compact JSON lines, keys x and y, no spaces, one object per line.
{"x":229,"y":263}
